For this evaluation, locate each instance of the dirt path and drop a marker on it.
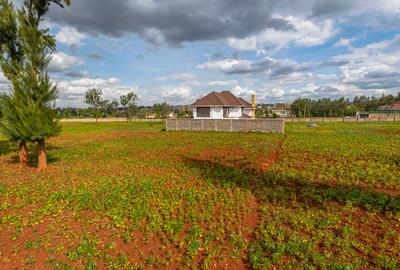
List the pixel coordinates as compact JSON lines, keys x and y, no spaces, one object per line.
{"x":274,"y":156}
{"x":254,"y":218}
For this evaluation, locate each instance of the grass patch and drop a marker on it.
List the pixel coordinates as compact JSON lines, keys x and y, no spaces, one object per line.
{"x":131,"y":196}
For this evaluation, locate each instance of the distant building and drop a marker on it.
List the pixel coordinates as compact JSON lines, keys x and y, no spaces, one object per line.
{"x":223,"y":105}
{"x":394,"y":108}
{"x":150,"y":116}
{"x":281,"y":110}
{"x":171,"y":115}
{"x":273,"y":110}
{"x":386,"y":110}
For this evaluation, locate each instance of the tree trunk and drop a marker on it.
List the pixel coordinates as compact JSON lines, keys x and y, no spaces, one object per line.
{"x":23,"y":153}
{"x":42,"y":158}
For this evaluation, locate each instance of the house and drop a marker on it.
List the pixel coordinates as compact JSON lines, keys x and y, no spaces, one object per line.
{"x":171,"y":115}
{"x":222,"y":105}
{"x":394,"y":108}
{"x":281,"y":110}
{"x":386,"y":111}
{"x":150,"y":116}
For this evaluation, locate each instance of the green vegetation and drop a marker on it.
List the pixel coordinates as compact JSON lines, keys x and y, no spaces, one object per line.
{"x":326,"y":107}
{"x":28,"y":111}
{"x":130,"y":196}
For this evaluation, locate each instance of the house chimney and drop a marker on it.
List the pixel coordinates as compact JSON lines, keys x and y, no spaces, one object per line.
{"x":253,"y":106}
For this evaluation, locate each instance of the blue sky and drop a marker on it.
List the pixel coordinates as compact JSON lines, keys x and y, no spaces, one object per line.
{"x":179,"y":50}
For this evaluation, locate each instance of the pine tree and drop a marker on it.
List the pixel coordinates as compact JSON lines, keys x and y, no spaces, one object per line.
{"x":29,"y":111}
{"x":10,"y":56}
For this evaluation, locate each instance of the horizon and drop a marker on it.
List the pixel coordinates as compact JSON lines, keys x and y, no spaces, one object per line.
{"x":178,"y":51}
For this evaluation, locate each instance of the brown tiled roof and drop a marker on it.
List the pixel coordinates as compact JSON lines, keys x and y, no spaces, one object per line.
{"x":225,"y":98}
{"x":394,"y":107}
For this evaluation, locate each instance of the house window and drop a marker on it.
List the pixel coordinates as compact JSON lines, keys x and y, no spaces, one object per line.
{"x":203,"y":112}
{"x":226,"y":112}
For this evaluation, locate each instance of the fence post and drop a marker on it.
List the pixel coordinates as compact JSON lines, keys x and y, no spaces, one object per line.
{"x":176,"y":124}
{"x":231,"y":127}
{"x":166,"y":124}
{"x":202,"y":124}
{"x":189,"y":121}
{"x":215,"y":125}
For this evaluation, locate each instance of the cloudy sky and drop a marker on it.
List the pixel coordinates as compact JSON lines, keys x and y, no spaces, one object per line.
{"x":179,"y":50}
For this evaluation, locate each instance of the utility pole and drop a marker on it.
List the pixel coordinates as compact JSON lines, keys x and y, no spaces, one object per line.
{"x":253,"y":106}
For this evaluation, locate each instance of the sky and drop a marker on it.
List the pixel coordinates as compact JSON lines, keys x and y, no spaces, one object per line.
{"x":177,"y":51}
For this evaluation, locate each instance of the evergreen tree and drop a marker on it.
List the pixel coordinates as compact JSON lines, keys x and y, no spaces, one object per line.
{"x":29,"y":111}
{"x":10,"y":55}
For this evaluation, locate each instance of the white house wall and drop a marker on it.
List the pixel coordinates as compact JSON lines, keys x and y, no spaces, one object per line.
{"x":235,"y":112}
{"x":215,"y":113}
{"x":194,"y":113}
{"x":218,"y":113}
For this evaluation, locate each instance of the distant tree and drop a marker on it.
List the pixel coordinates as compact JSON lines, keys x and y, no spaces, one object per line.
{"x":110,"y":108}
{"x":67,"y":112}
{"x":184,"y":113}
{"x":260,"y":112}
{"x":162,"y":110}
{"x":83,"y":112}
{"x":142,"y":112}
{"x":128,"y":103}
{"x":94,"y":98}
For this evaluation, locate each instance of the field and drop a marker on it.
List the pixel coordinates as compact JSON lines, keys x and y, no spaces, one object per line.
{"x":131,"y":196}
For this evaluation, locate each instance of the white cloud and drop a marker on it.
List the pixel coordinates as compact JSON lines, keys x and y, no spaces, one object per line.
{"x":243,"y":91}
{"x":180,"y":76}
{"x":62,"y":61}
{"x":81,"y":85}
{"x":154,"y":36}
{"x":3,"y":78}
{"x":375,"y":66}
{"x":190,"y":80}
{"x":224,"y":65}
{"x":178,"y":93}
{"x":274,"y":68}
{"x":69,"y":36}
{"x":244,"y":44}
{"x":221,"y":83}
{"x":343,"y":42}
{"x":306,"y":33}
{"x":4,"y":83}
{"x":72,"y":91}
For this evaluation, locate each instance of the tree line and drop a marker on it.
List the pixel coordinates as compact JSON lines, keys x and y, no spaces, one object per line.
{"x":126,"y":106}
{"x":325,"y":107}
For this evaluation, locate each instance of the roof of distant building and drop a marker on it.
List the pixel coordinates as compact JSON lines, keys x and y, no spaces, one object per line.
{"x":222,"y":99}
{"x":393,"y":107}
